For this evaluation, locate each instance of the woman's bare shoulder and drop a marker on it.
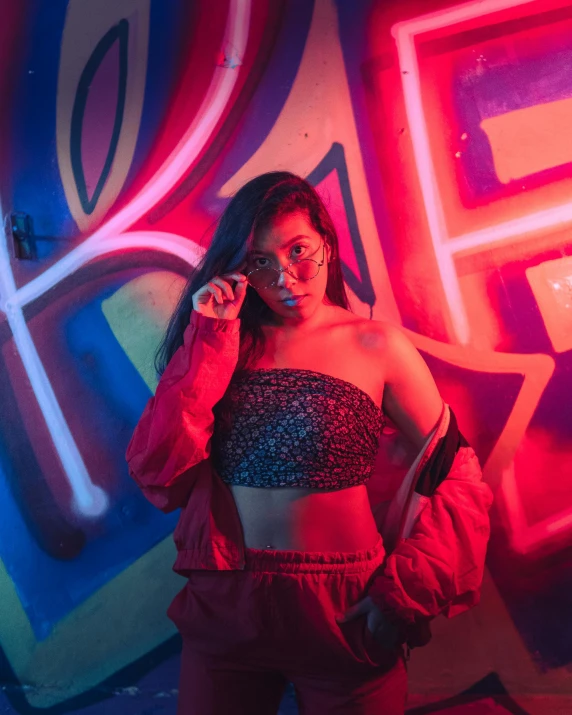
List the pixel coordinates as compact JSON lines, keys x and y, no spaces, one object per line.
{"x":381,"y":336}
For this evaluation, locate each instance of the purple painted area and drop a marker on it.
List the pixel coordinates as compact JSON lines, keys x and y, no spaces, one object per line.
{"x":471,"y":394}
{"x":267,"y":102}
{"x":497,"y":78}
{"x":330,"y":190}
{"x":511,"y":81}
{"x":99,"y":118}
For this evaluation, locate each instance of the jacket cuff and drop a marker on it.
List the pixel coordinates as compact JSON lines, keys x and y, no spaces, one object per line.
{"x":213,"y":325}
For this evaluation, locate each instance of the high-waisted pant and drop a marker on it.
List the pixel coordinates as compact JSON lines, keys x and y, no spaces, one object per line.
{"x":246,"y":634}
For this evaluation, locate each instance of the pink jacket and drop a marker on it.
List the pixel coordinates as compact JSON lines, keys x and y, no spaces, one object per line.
{"x":437,"y":544}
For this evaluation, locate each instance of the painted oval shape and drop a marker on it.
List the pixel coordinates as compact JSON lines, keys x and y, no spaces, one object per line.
{"x":89,"y":124}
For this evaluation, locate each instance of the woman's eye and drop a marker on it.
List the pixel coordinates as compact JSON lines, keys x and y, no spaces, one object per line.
{"x":298,"y":251}
{"x":261,"y":262}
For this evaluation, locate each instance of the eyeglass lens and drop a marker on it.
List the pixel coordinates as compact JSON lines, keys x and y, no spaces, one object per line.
{"x":305,"y":270}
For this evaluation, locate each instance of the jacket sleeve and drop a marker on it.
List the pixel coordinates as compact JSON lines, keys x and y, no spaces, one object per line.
{"x":174,"y":432}
{"x":439,"y":567}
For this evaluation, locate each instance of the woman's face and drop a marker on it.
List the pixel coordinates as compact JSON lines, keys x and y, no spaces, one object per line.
{"x":287,"y":239}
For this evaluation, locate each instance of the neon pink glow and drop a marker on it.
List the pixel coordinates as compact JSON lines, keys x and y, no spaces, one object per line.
{"x":444,"y":245}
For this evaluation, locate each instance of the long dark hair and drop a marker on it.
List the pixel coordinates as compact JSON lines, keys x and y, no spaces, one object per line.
{"x":258,"y":203}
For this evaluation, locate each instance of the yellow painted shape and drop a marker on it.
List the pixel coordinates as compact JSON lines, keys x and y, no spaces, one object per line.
{"x":86,"y":23}
{"x":115,"y":626}
{"x":526,"y":141}
{"x":551,"y":283}
{"x":317,"y":113}
{"x":138,"y":314}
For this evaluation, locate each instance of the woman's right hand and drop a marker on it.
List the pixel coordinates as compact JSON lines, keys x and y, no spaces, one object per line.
{"x":217,"y":299}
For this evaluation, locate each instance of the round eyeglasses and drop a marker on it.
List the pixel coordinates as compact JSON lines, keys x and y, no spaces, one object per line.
{"x":304,"y":270}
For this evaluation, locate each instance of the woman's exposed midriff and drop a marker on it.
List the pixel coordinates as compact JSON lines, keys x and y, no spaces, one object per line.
{"x":300,"y":519}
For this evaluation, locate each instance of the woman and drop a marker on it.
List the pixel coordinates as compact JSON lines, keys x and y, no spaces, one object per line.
{"x":264,"y":428}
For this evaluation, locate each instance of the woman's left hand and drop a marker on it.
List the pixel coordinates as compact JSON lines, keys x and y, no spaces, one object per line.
{"x":382,"y":629}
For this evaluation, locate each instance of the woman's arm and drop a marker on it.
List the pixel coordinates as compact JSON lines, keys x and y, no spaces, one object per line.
{"x":439,"y":566}
{"x":174,"y":431}
{"x":410,"y":397}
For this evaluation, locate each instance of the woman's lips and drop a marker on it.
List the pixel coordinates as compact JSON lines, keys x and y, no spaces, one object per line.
{"x":293,"y":301}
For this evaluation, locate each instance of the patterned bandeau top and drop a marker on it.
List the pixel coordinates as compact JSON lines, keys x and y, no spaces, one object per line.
{"x":283,"y":427}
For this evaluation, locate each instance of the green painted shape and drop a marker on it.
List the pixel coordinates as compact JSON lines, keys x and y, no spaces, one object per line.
{"x":138,"y":314}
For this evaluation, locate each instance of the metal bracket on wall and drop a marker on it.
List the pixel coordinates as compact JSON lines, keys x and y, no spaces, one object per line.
{"x":23,"y":235}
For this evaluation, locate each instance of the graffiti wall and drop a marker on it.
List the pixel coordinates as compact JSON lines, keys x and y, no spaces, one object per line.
{"x":439,"y":135}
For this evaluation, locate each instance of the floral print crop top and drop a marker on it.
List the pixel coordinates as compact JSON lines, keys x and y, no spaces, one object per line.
{"x":283,"y":427}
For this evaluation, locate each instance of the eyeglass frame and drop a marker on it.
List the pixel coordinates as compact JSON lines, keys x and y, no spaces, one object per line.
{"x":286,"y":269}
